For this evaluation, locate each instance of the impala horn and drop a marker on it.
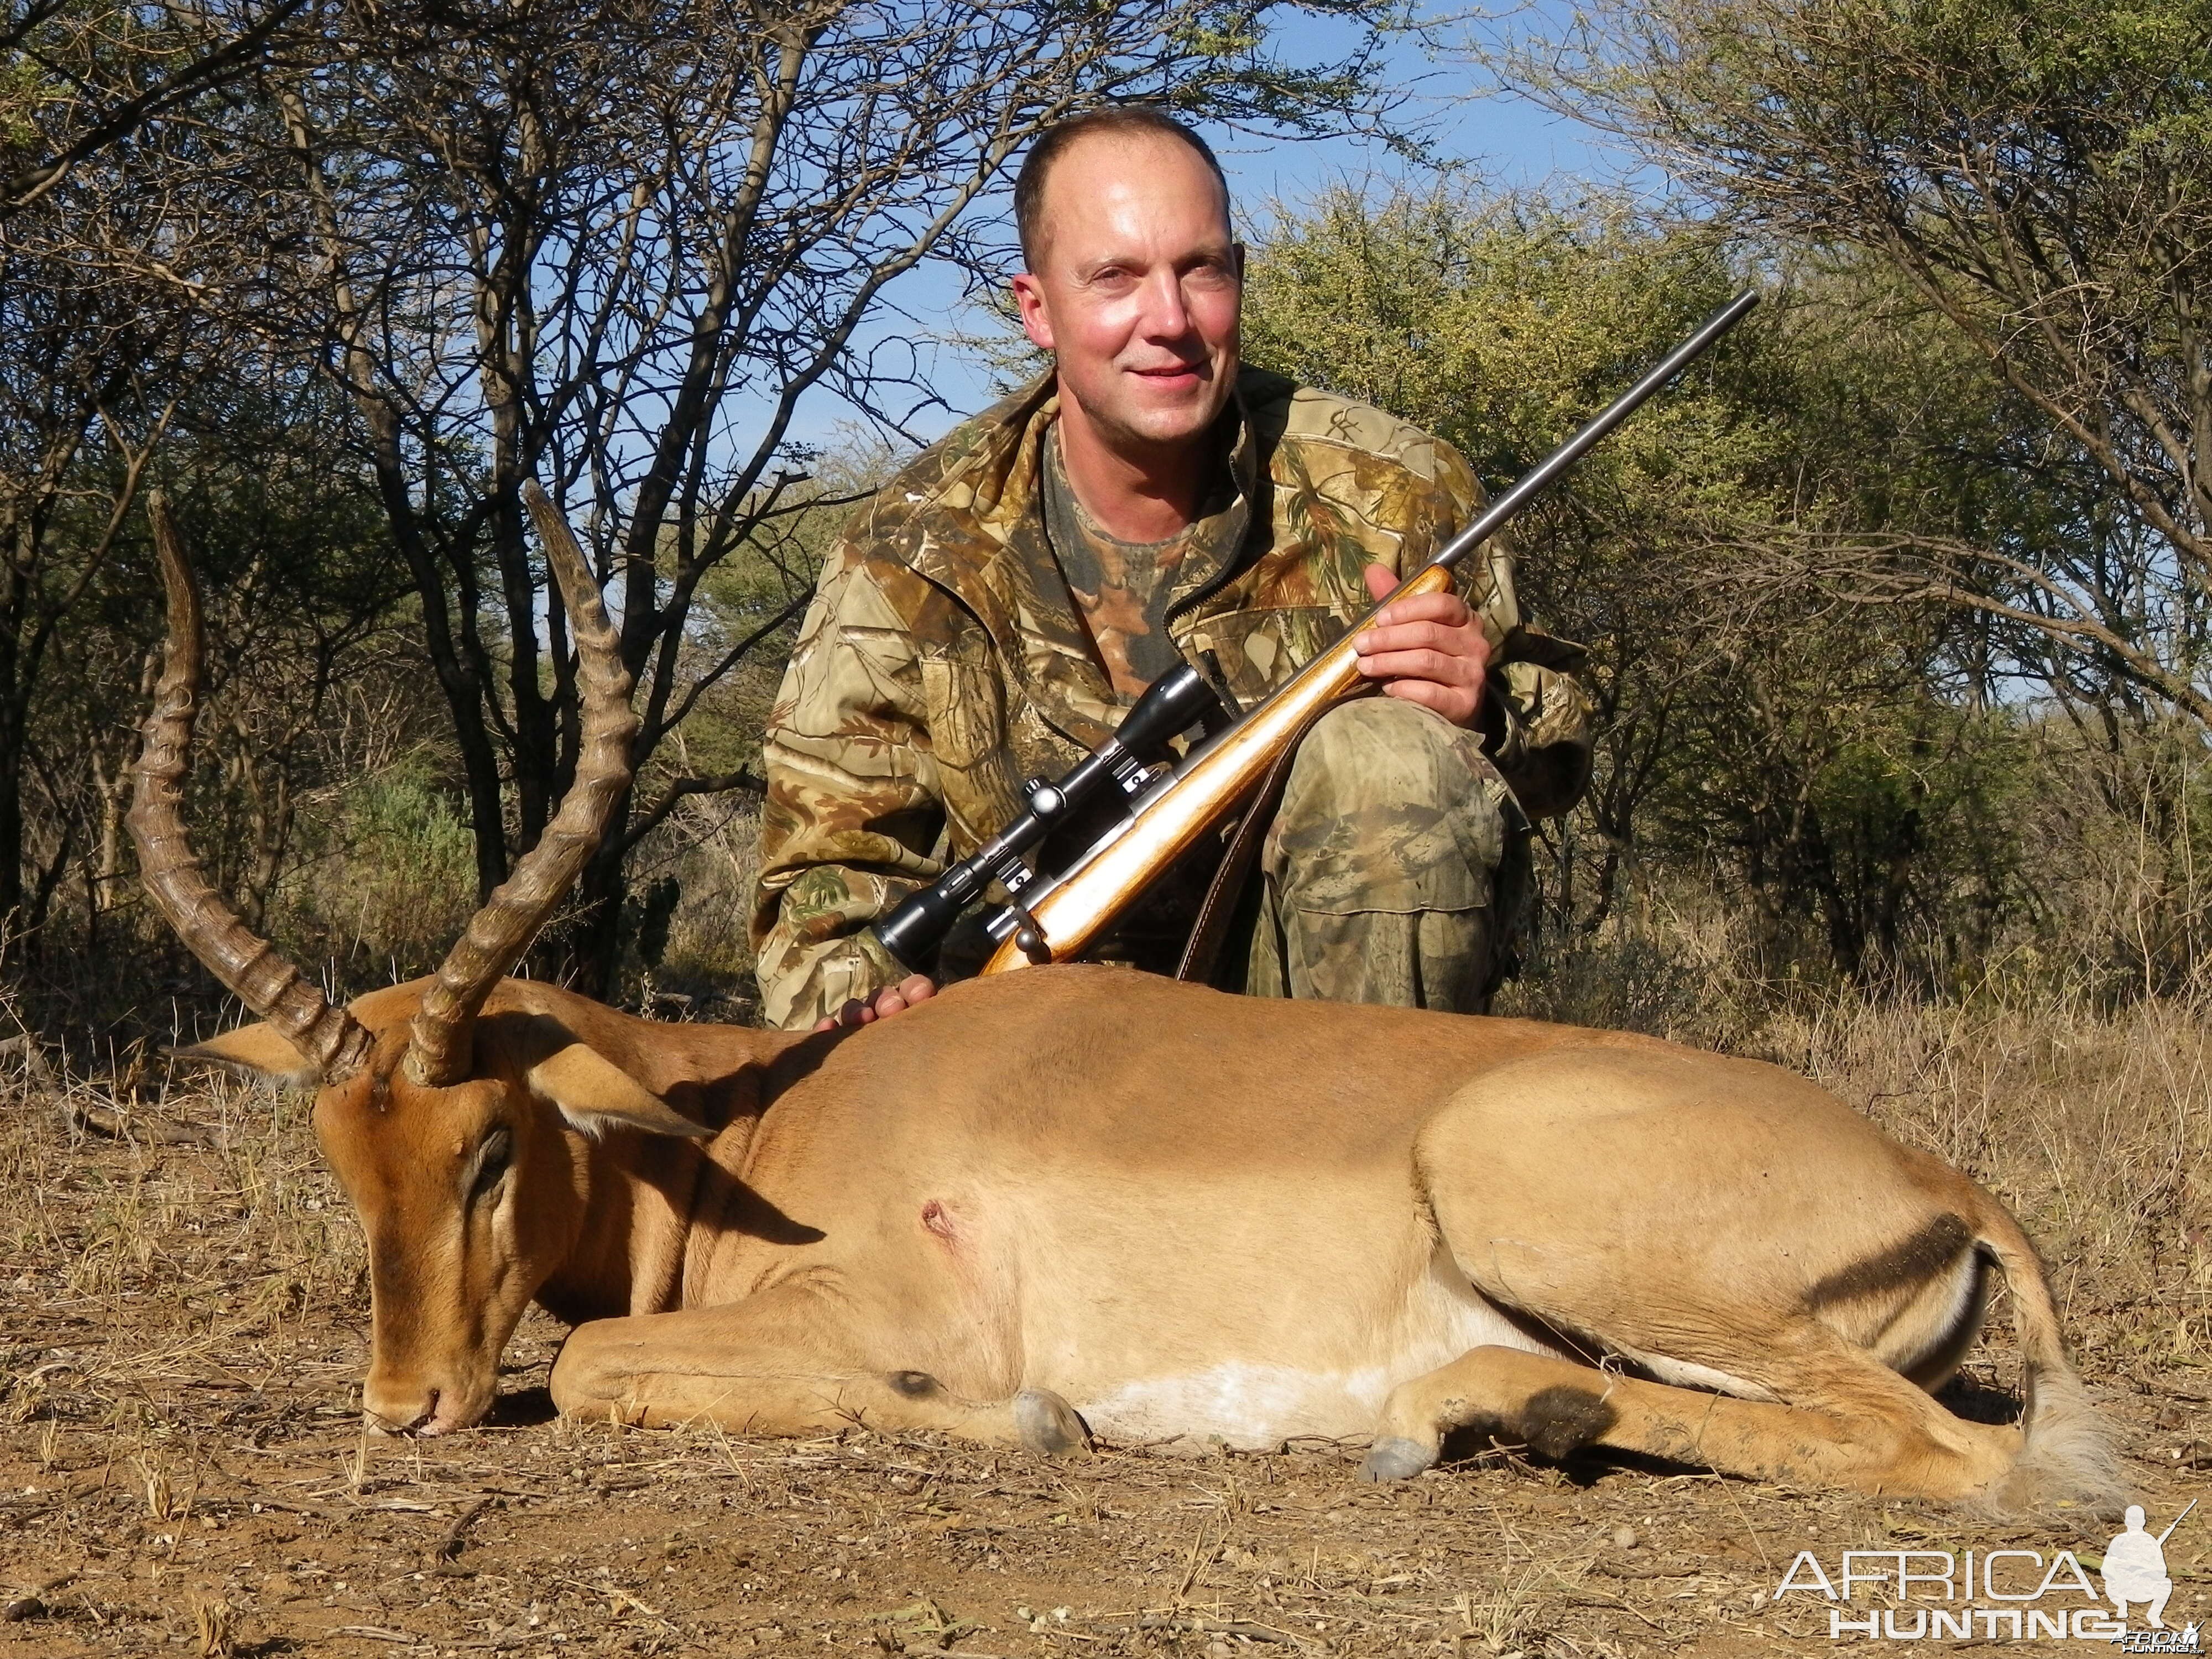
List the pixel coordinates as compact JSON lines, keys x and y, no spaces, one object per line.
{"x":441,"y":1045}
{"x":333,"y":1042}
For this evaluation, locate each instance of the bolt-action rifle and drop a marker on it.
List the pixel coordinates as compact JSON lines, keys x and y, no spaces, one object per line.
{"x":1052,"y":917}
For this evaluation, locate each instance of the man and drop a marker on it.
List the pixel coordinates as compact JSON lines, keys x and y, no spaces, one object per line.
{"x":992,"y":612}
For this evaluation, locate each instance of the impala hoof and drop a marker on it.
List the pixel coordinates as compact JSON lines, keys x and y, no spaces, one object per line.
{"x":1048,"y":1424}
{"x":1395,"y":1459}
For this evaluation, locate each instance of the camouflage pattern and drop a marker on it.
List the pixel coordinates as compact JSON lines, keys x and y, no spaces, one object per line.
{"x":1395,"y":868}
{"x":943,"y":660}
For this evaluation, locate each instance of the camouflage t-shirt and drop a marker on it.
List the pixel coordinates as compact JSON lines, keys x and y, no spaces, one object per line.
{"x":1120,"y":588}
{"x":944,"y":658}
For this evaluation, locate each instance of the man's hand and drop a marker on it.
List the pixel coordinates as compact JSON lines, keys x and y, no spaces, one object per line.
{"x":1429,"y":649}
{"x":892,"y":1000}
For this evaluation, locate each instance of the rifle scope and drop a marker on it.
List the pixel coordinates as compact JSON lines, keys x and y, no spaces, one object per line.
{"x":1171,"y":705}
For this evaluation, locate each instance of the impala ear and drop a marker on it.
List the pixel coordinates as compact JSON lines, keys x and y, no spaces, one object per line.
{"x":256,"y":1051}
{"x":596,"y":1094}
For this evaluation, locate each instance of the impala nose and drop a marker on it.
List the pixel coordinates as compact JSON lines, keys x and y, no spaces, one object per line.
{"x":399,"y":1412}
{"x":443,"y":1400}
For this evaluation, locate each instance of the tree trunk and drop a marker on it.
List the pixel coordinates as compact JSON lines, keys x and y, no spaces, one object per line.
{"x":595,"y":942}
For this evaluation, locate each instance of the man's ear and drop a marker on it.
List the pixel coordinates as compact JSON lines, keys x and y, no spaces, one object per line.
{"x":256,"y":1051}
{"x":596,"y":1094}
{"x":1029,"y":301}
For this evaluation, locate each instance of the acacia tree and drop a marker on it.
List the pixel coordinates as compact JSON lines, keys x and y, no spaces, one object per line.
{"x":614,"y":243}
{"x":93,"y":367}
{"x":81,"y":78}
{"x":124,"y":205}
{"x":2039,"y":174}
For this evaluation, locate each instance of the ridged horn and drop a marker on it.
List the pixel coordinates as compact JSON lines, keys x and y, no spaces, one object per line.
{"x":441,"y":1045}
{"x":331,"y":1040}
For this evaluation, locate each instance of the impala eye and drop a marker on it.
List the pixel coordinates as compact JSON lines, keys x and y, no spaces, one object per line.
{"x":492,"y":1159}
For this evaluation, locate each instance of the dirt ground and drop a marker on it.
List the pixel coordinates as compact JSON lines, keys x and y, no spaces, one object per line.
{"x":182,"y":1471}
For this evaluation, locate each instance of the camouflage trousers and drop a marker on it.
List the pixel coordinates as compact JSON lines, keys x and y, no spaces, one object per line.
{"x":1395,"y":870}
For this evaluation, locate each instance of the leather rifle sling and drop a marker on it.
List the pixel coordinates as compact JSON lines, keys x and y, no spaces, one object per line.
{"x":1202,"y":952}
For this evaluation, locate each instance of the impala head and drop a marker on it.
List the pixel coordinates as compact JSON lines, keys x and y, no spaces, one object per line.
{"x":460,"y":1132}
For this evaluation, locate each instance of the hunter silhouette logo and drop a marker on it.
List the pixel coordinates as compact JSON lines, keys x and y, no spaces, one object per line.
{"x":2135,"y":1568}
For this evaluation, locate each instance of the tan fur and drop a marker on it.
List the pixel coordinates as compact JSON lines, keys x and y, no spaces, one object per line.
{"x":1186,"y":1213}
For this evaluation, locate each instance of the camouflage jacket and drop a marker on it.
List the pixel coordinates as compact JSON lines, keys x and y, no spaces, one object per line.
{"x":944,"y":661}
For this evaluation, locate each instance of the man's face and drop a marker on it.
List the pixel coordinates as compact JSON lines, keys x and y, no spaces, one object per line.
{"x":1138,"y":296}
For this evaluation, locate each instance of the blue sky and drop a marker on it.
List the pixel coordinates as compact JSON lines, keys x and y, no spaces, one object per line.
{"x":1500,"y":139}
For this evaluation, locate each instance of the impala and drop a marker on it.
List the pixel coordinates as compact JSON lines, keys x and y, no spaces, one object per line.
{"x":1081,"y":1200}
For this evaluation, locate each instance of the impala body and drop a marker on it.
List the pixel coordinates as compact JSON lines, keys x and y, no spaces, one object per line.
{"x":1082,"y":1200}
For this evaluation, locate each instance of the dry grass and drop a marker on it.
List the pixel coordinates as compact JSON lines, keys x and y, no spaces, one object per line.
{"x":181,"y":1468}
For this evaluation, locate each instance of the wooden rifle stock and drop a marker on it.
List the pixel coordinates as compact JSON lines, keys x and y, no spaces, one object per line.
{"x":1059,"y":917}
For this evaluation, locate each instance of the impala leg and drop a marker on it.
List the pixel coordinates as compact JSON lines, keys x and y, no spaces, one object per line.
{"x":1875,"y":1432}
{"x":782,"y":1363}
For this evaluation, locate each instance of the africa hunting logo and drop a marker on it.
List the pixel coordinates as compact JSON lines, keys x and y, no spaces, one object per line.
{"x":2005,"y":1595}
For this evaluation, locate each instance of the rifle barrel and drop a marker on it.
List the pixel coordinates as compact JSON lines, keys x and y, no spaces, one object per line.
{"x":1578,"y":446}
{"x":2178,"y":1520}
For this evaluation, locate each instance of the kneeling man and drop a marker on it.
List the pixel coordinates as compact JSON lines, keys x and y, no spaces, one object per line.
{"x":998,"y":604}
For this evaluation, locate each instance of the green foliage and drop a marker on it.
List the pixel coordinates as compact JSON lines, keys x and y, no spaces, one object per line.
{"x":1492,"y":322}
{"x":390,"y":875}
{"x":771,"y":572}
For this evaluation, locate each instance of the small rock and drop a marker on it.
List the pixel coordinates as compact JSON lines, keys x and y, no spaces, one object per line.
{"x":1623,"y":1538}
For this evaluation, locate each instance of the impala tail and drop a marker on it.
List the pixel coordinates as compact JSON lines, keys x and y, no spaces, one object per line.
{"x":2067,"y":1459}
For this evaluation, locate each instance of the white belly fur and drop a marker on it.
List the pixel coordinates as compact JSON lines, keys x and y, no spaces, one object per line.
{"x":1258,"y":1404}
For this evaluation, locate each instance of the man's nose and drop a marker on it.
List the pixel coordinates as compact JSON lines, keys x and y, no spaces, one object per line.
{"x":1165,"y":317}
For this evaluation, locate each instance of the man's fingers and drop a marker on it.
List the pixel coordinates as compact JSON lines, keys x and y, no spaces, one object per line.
{"x":894,"y":999}
{"x":1458,"y":642}
{"x":1426,"y":648}
{"x":1455,"y":704}
{"x":1446,"y":607}
{"x":1446,"y":610}
{"x":1422,"y":665}
{"x":897,"y":999}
